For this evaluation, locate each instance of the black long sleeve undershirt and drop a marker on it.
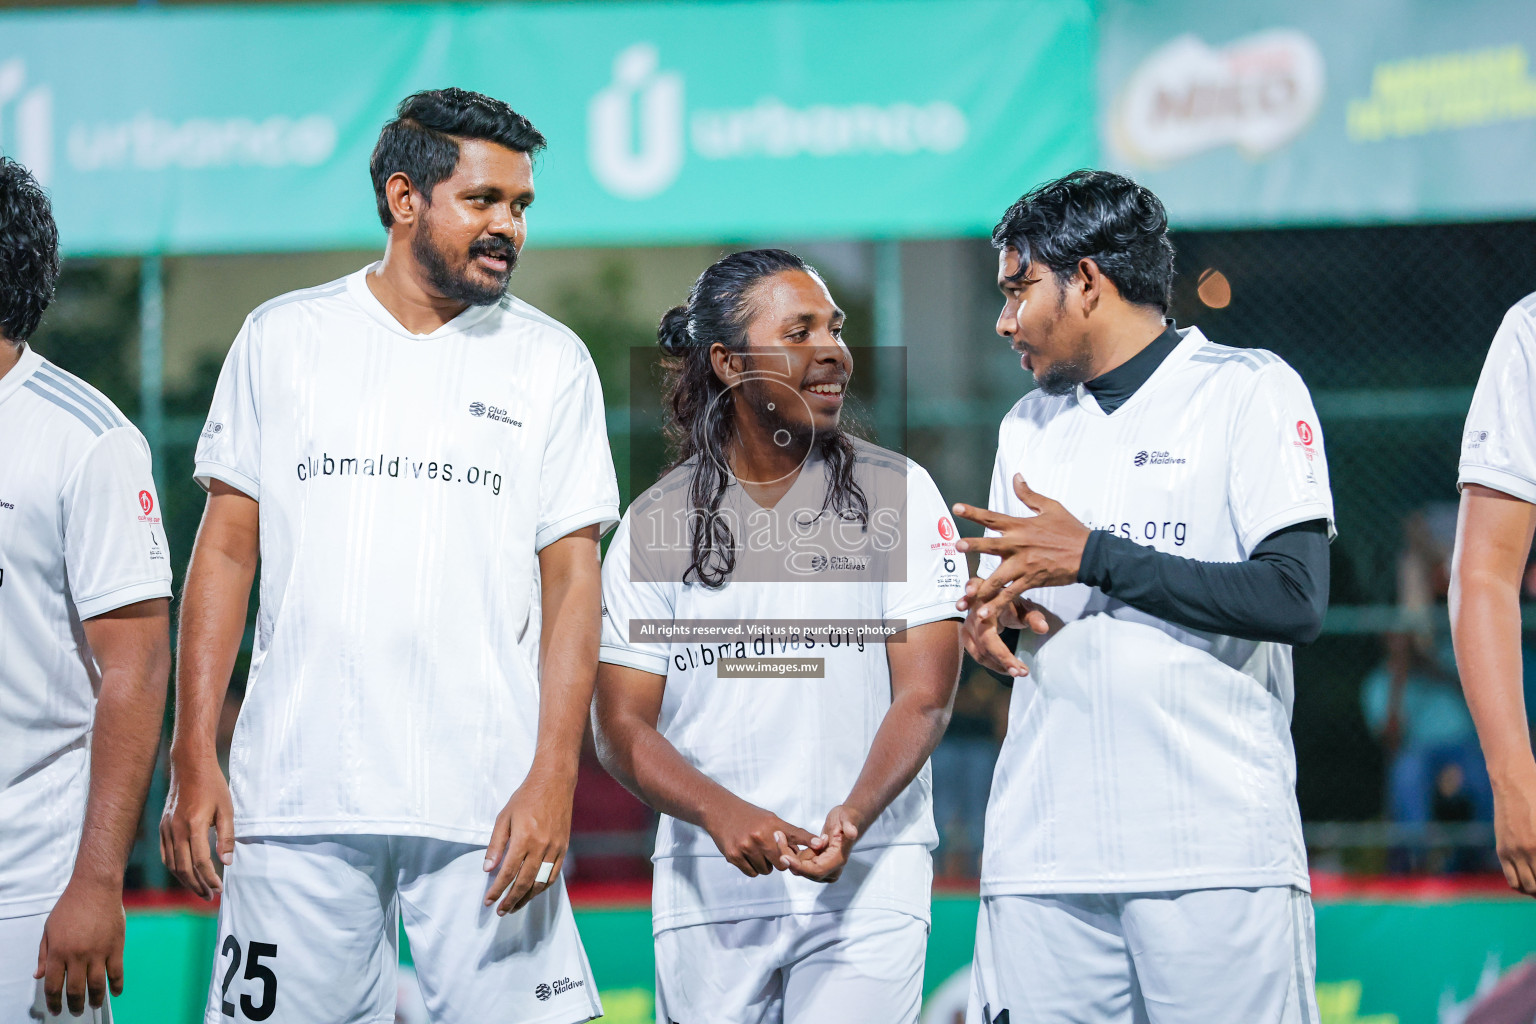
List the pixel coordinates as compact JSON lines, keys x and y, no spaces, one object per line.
{"x":1280,"y":593}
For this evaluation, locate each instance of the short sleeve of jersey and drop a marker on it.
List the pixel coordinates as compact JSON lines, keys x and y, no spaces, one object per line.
{"x":1498,"y":449}
{"x":935,"y":570}
{"x":626,"y":601}
{"x":114,"y":543}
{"x":1278,"y":475}
{"x":229,"y":448}
{"x":577,"y":486}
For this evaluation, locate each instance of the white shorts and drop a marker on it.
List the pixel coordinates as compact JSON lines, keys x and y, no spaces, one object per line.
{"x":846,"y":965}
{"x":1188,"y":957}
{"x":308,"y":927}
{"x":21,"y":995}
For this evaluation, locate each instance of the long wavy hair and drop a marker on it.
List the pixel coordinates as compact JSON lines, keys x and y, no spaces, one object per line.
{"x":702,"y":422}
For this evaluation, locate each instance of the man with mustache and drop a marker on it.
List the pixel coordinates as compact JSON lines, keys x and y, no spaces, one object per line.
{"x":1143,"y":857}
{"x":420,"y":463}
{"x":792,"y":859}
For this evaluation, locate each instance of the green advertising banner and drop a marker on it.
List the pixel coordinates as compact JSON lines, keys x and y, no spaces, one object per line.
{"x":196,"y":130}
{"x":1321,"y":112}
{"x":1378,"y":962}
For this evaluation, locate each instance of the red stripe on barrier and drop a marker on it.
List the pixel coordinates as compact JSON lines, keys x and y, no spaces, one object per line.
{"x":1326,"y":886}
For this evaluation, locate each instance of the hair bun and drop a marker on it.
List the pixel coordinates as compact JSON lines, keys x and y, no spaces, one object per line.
{"x":672,"y":333}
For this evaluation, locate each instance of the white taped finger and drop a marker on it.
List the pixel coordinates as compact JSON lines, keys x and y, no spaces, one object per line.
{"x":546,"y":870}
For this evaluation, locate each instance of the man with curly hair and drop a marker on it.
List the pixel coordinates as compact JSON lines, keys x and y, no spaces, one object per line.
{"x":85,"y":583}
{"x":1158,"y":529}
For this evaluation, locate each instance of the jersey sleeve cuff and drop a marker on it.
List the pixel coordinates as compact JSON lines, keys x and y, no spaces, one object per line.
{"x":928,"y":613}
{"x":206,"y":472}
{"x":122,"y":597}
{"x":656,"y":664}
{"x":607,"y":516}
{"x":1290,"y":517}
{"x":1499,"y":480}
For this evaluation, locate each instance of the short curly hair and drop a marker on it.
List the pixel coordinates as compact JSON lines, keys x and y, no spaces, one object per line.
{"x":422,"y":139}
{"x":1096,"y":215}
{"x":29,"y":251}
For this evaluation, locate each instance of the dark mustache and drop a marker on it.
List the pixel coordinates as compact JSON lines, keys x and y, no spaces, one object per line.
{"x":496,"y":249}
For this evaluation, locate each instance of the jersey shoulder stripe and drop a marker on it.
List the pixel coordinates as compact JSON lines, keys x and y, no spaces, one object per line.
{"x":1529,"y":305}
{"x":319,"y":291}
{"x":67,"y":404}
{"x":1252,"y":358}
{"x":872,"y":455}
{"x":94,"y":400}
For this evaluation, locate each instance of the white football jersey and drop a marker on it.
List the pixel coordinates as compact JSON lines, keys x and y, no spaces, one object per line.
{"x":406,"y":484}
{"x":80,"y":535}
{"x":1142,"y":756}
{"x":1498,"y":449}
{"x":794,"y":746}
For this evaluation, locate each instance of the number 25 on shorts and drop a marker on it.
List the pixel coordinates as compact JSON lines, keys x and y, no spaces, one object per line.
{"x":255,"y":970}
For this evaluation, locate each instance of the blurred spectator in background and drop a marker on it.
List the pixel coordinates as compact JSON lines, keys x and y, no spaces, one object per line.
{"x":962,"y":772}
{"x":1413,"y":701}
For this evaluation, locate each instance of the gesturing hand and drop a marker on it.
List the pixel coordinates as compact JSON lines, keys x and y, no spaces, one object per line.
{"x":1044,"y":550}
{"x":828,"y":853}
{"x":81,"y":954}
{"x":534,"y":829}
{"x":754,"y":839}
{"x":983,"y":639}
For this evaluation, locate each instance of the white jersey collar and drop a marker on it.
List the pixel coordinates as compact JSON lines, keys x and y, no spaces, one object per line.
{"x":810,"y":483}
{"x":357,"y":287}
{"x":21,"y":372}
{"x":1190,"y":340}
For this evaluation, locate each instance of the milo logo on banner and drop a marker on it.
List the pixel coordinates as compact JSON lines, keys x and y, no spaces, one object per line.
{"x":639,"y":134}
{"x":1186,"y":97}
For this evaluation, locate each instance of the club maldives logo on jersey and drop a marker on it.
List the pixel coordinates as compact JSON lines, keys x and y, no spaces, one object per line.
{"x":1147,"y":458}
{"x":840,"y":563}
{"x":491,"y":412}
{"x":545,"y":990}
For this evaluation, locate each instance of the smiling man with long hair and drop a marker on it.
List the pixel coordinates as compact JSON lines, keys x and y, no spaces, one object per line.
{"x":783,"y":737}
